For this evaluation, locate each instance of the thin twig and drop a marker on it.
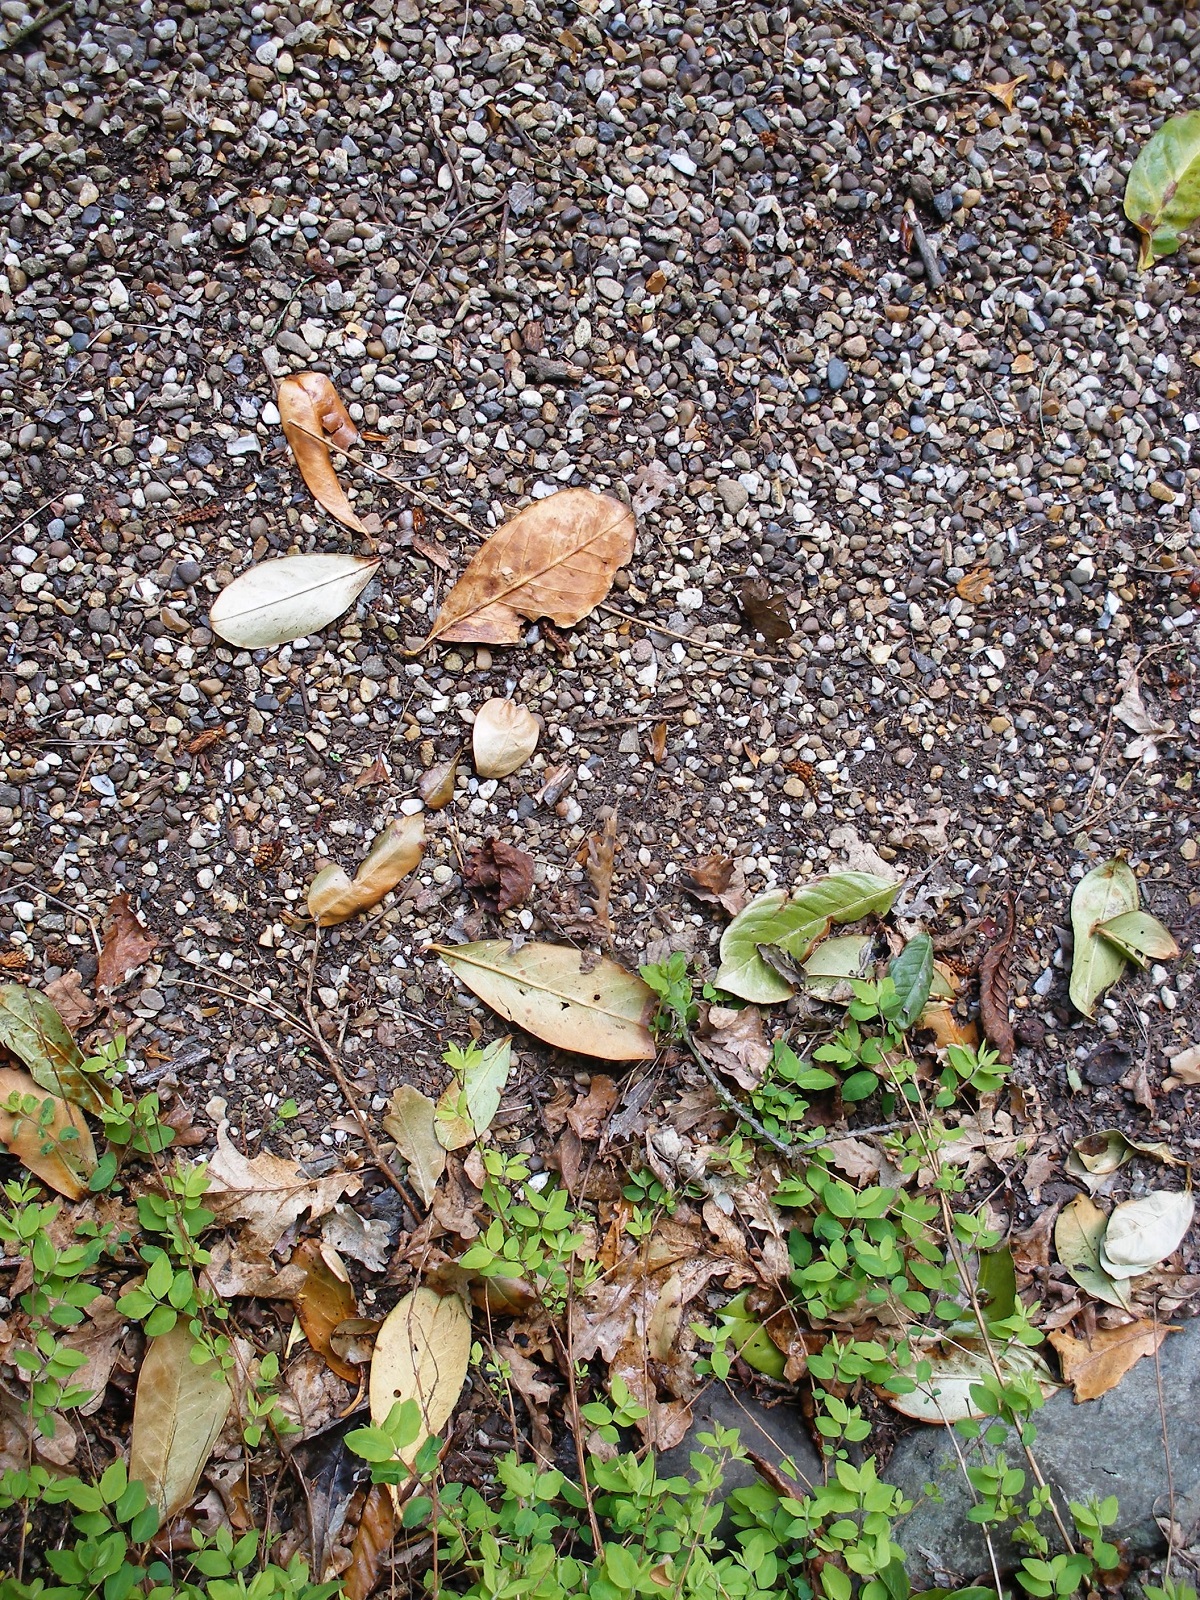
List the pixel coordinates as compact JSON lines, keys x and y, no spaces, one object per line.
{"x":33,"y":28}
{"x":573,"y":1404}
{"x":1162,"y":1422}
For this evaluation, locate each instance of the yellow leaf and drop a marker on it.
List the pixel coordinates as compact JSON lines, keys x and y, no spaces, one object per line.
{"x":60,"y":1151}
{"x":421,"y":1354}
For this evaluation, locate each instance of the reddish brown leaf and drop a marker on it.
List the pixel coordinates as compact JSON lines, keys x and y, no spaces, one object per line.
{"x":432,"y":553}
{"x":974,"y":585}
{"x":1094,"y":1366}
{"x":372,"y":1540}
{"x":312,"y":413}
{"x":592,"y":1110}
{"x":599,"y":863}
{"x":71,"y":1000}
{"x":377,"y":772}
{"x":499,"y":875}
{"x":766,"y":611}
{"x":323,"y":1302}
{"x":205,"y":741}
{"x":994,"y":974}
{"x":126,"y":945}
{"x":718,"y":880}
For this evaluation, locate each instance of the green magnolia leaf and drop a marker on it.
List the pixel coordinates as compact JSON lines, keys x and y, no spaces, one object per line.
{"x":32,"y":1030}
{"x":1139,"y":937}
{"x":1106,"y":892}
{"x":794,"y":925}
{"x":484,"y":1081}
{"x":1162,"y":193}
{"x":1077,"y":1235}
{"x":997,"y":1280}
{"x":912,"y":973}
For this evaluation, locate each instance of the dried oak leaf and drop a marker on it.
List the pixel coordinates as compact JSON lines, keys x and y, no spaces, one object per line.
{"x":718,"y":880}
{"x":71,"y":1000}
{"x":994,"y":974}
{"x":1094,"y":1366}
{"x":557,"y":558}
{"x":372,"y":1541}
{"x":499,"y":875}
{"x":736,"y":1044}
{"x":766,"y":611}
{"x":592,"y":1110}
{"x":126,"y":944}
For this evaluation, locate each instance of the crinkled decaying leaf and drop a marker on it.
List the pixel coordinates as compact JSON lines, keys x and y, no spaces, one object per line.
{"x":1094,"y":1365}
{"x":1141,"y":1233}
{"x":278,"y":601}
{"x":333,"y":896}
{"x":267,"y":1193}
{"x":1162,"y":192}
{"x":126,"y":944}
{"x":1106,"y":892}
{"x":557,"y":558}
{"x":436,"y":784}
{"x":311,"y":412}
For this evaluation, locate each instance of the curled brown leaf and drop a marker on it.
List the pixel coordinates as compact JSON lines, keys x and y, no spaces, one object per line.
{"x":994,"y":974}
{"x":333,"y":896}
{"x":126,"y":944}
{"x":766,"y":611}
{"x":599,"y":862}
{"x":499,"y":875}
{"x":311,"y":414}
{"x":372,"y":1540}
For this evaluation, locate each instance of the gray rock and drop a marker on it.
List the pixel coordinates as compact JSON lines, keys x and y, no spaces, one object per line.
{"x":1108,"y":1446}
{"x":734,"y":495}
{"x":836,"y":373}
{"x":772,"y":1434}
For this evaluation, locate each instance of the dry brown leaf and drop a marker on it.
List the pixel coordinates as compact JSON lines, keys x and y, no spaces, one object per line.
{"x":377,"y":772}
{"x":324,"y":1300}
{"x":267,"y":1194}
{"x":71,"y":1000}
{"x":656,"y":745}
{"x":61,"y":1153}
{"x":719,"y":881}
{"x":599,"y":864}
{"x":311,"y":413}
{"x":766,"y":610}
{"x":1005,"y":93}
{"x":555,"y":559}
{"x":312,"y":1395}
{"x":126,"y":945}
{"x":334,"y":897}
{"x":436,"y":785}
{"x":499,"y":875}
{"x":98,"y":1339}
{"x":179,"y":1411}
{"x":856,"y":1158}
{"x":994,"y":984}
{"x":592,"y":1110}
{"x":736,"y":1044}
{"x":372,"y":1541}
{"x":938,"y":1018}
{"x":1094,"y":1366}
{"x":974,"y":585}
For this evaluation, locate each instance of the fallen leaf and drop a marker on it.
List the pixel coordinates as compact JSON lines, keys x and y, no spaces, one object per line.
{"x":436,"y":785}
{"x":656,"y":744}
{"x":289,"y":598}
{"x":938,"y":1018}
{"x":653,"y":481}
{"x":1094,"y":1366}
{"x":719,"y":881}
{"x":558,"y":995}
{"x":1139,"y":937}
{"x":556,"y":558}
{"x":856,"y":1158}
{"x":1184,"y":1067}
{"x":503,"y":737}
{"x":485,"y":1077}
{"x":421,"y":1354}
{"x":1141,"y":1233}
{"x":945,"y":1396}
{"x":72,"y":1001}
{"x":178,"y":1412}
{"x":1131,"y":710}
{"x":311,"y":1395}
{"x":1077,"y":1235}
{"x":98,"y":1339}
{"x":58,"y":1150}
{"x":765,"y":610}
{"x":354,"y":1341}
{"x":32,"y":1030}
{"x":1162,"y":192}
{"x":372,"y":1542}
{"x":736,"y":1044}
{"x":333,"y":896}
{"x":267,"y":1194}
{"x":974,"y":585}
{"x":794,"y":923}
{"x":826,"y":973}
{"x":311,"y":412}
{"x":376,"y":773}
{"x":911,"y":973}
{"x":126,"y":945}
{"x":324,"y":1300}
{"x":1106,"y":892}
{"x":529,"y":1380}
{"x":995,"y":977}
{"x":410,"y":1122}
{"x":859,"y":855}
{"x":591,"y":1111}
{"x":599,"y":865}
{"x":499,"y":875}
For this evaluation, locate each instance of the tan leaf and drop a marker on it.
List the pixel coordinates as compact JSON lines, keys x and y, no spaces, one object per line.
{"x":372,"y":1540}
{"x":656,"y":745}
{"x":60,"y":1152}
{"x":410,"y":1120}
{"x":1006,"y":92}
{"x":289,"y":598}
{"x":334,"y":897}
{"x":938,"y":1019}
{"x":126,"y":945}
{"x":558,"y":995}
{"x":1094,"y":1366}
{"x":324,"y":1300}
{"x":556,"y":558}
{"x":71,"y":1000}
{"x":736,"y":1044}
{"x":179,"y":1411}
{"x":1185,"y":1066}
{"x":718,"y":880}
{"x":592,"y":1110}
{"x":421,"y":1354}
{"x":311,"y":413}
{"x":599,"y":864}
{"x":436,"y":785}
{"x":98,"y":1339}
{"x":974,"y":585}
{"x":503,"y":737}
{"x":267,"y":1194}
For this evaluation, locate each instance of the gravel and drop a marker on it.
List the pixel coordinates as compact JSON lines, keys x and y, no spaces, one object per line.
{"x":536,"y":246}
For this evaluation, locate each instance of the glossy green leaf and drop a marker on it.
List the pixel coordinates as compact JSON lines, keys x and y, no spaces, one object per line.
{"x":1139,"y":937}
{"x":1077,"y":1235}
{"x":32,"y":1030}
{"x":794,"y":924}
{"x":997,"y":1280}
{"x":1106,"y":892}
{"x":912,"y":973}
{"x":1162,"y":192}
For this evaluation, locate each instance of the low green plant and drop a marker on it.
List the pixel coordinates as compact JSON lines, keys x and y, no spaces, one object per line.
{"x":534,"y":1231}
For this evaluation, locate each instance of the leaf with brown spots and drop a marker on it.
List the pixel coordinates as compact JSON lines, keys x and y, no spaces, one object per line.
{"x":126,"y":945}
{"x":994,"y":976}
{"x":557,"y":558}
{"x":499,"y":875}
{"x":1094,"y":1366}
